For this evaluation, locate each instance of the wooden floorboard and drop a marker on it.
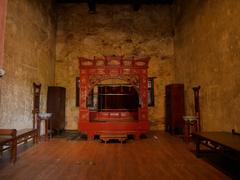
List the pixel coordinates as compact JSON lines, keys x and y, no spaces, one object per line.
{"x":159,"y":156}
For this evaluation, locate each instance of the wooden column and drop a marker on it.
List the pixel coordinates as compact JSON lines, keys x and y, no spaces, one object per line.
{"x":36,"y":102}
{"x":3,"y":12}
{"x":196,"y":106}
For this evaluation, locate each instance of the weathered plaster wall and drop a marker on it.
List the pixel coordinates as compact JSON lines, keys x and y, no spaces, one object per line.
{"x":114,"y":30}
{"x":207,"y":48}
{"x":29,"y":57}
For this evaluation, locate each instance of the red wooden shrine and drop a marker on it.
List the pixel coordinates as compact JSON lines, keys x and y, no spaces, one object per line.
{"x":116,"y":121}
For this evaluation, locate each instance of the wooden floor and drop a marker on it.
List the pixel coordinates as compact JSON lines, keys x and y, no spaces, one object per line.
{"x":159,"y":156}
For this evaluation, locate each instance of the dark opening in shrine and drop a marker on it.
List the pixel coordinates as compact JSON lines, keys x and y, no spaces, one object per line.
{"x":117,"y":97}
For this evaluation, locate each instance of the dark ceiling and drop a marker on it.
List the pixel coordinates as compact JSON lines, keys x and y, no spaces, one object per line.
{"x":136,"y":4}
{"x":118,"y":1}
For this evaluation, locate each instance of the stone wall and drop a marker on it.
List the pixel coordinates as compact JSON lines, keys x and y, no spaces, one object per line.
{"x":29,"y":57}
{"x":114,"y":30}
{"x":207,"y":48}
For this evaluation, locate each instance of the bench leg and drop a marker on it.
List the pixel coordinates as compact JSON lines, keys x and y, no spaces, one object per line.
{"x":14,"y":150}
{"x":1,"y":151}
{"x":198,"y":142}
{"x":35,"y":137}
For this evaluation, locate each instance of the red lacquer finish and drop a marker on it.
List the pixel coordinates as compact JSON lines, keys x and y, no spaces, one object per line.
{"x":132,"y":70}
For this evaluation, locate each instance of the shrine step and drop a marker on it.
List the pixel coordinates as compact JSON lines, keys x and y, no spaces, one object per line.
{"x":114,"y":136}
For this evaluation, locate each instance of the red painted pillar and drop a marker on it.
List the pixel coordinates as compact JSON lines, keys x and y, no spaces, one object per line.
{"x":3,"y":12}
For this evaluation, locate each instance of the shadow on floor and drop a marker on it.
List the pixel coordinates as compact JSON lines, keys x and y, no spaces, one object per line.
{"x":225,"y":164}
{"x":6,"y":156}
{"x":70,"y":135}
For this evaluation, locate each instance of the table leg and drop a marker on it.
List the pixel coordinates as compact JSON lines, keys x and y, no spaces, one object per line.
{"x":46,"y":129}
{"x":198,"y":142}
{"x":51,"y":131}
{"x":14,"y":150}
{"x":195,"y":126}
{"x":38,"y":129}
{"x":186,"y":132}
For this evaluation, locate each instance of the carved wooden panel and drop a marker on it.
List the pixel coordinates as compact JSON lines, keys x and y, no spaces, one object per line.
{"x":132,"y":70}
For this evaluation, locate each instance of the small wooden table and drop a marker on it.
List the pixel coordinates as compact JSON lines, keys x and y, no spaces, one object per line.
{"x":190,"y":125}
{"x":47,"y":123}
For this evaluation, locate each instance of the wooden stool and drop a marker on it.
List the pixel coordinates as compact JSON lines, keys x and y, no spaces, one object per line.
{"x":119,"y":137}
{"x":190,"y":125}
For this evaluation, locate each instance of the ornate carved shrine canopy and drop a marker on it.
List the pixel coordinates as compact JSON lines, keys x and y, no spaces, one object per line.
{"x":93,"y":71}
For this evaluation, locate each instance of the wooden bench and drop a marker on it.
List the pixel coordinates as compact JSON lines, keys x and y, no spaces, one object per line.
{"x":223,"y":142}
{"x":24,"y":135}
{"x":8,"y":141}
{"x":9,"y":138}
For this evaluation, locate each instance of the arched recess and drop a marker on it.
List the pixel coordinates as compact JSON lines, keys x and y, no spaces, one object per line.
{"x":134,"y":81}
{"x":132,"y":70}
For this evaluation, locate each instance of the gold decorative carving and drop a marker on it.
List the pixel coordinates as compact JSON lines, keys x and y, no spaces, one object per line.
{"x":99,"y":62}
{"x":83,"y":81}
{"x":126,"y":71}
{"x":113,"y":72}
{"x":144,"y":71}
{"x":87,"y":63}
{"x":92,"y":71}
{"x":95,"y":79}
{"x":84,"y":115}
{"x":114,"y":62}
{"x":143,"y":115}
{"x":83,"y":71}
{"x":127,"y":62}
{"x":100,"y":71}
{"x":140,"y":63}
{"x":144,"y":80}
